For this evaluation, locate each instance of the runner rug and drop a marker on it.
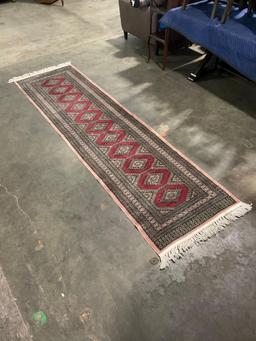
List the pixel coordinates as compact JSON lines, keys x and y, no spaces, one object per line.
{"x":171,"y":201}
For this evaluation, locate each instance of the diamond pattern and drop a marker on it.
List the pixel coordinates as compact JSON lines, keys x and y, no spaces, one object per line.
{"x":128,"y":155}
{"x":171,"y":195}
{"x":138,"y":164}
{"x":123,"y":150}
{"x":154,"y":178}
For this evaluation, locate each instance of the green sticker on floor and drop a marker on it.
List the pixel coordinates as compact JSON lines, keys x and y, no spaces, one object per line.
{"x":40,"y":318}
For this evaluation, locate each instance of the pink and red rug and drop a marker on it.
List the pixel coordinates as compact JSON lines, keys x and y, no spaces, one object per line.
{"x":171,"y":201}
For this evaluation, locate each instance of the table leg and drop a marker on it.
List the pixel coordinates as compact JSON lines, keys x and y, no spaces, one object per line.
{"x":166,"y":47}
{"x":149,"y":50}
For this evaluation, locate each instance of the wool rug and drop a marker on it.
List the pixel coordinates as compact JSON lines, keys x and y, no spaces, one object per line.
{"x":171,"y":201}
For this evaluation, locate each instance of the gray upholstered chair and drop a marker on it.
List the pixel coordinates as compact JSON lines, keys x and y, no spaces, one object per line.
{"x":134,"y":20}
{"x":137,"y":20}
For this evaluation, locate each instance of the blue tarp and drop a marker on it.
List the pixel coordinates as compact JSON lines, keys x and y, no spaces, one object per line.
{"x":234,"y":42}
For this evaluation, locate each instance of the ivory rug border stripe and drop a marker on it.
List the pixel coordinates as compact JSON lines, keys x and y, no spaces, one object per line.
{"x":171,"y":201}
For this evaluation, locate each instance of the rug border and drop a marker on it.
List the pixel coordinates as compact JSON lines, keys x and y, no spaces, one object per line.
{"x":113,"y":196}
{"x":159,"y":136}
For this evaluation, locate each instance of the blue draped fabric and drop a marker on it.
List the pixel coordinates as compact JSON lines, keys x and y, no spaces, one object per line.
{"x":234,"y":42}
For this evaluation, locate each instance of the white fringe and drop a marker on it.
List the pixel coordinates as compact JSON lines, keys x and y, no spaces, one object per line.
{"x":39,"y":72}
{"x":177,"y":250}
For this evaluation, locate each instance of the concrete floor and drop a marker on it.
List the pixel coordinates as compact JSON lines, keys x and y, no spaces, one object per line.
{"x":65,"y":247}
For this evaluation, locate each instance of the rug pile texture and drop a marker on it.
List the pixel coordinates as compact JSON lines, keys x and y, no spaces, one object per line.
{"x":172,"y":202}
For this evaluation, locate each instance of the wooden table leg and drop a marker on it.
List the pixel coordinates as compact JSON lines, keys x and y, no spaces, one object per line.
{"x":166,"y":47}
{"x":149,"y":50}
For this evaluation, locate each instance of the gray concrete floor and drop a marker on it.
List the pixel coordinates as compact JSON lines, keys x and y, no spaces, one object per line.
{"x":65,"y":247}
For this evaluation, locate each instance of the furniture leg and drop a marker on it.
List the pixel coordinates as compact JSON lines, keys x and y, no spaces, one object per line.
{"x":227,"y":11}
{"x":215,"y":6}
{"x":149,"y":50}
{"x":166,"y":47}
{"x":125,"y":35}
{"x":157,"y":48}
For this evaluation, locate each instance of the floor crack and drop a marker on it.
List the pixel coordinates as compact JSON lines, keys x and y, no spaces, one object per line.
{"x":20,"y":209}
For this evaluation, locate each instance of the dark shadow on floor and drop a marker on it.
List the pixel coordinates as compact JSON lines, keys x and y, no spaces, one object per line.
{"x":230,"y":88}
{"x":37,"y":2}
{"x":206,"y":120}
{"x":134,"y":47}
{"x":5,"y":2}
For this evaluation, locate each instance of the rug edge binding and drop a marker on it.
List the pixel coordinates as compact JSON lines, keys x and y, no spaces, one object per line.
{"x":176,"y":251}
{"x":38,"y":72}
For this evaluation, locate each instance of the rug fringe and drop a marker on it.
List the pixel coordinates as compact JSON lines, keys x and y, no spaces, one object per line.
{"x":177,"y":250}
{"x":39,"y":72}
